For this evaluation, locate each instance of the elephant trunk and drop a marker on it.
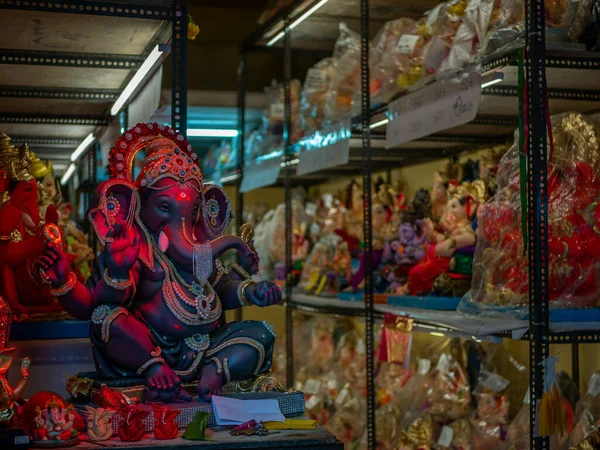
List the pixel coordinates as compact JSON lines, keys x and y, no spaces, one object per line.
{"x":180,"y":248}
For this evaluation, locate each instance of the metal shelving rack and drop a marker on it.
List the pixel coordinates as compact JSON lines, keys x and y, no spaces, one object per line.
{"x":172,"y":16}
{"x":501,"y":118}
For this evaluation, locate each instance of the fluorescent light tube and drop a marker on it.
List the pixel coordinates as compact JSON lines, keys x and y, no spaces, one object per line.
{"x":82,"y":147}
{"x":378,"y":124}
{"x":493,"y":78}
{"x":297,"y":22}
{"x":68,"y":174}
{"x":141,"y":73}
{"x":209,"y":132}
{"x":228,"y":178}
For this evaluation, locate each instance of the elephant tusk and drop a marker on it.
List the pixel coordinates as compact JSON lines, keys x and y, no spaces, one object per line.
{"x":163,"y":242}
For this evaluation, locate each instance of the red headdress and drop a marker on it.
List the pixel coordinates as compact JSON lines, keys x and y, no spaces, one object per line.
{"x":168,"y":155}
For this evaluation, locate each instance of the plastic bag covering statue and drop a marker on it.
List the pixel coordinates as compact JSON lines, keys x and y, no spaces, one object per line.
{"x":314,"y":92}
{"x":500,"y":267}
{"x":22,"y":233}
{"x":346,"y":75}
{"x":157,"y":296}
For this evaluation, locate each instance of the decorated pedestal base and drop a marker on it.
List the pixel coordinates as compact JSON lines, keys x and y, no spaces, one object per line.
{"x":85,"y":388}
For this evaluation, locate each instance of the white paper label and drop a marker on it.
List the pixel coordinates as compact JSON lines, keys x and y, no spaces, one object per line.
{"x":439,"y":106}
{"x":495,"y":382}
{"x":594,"y":385}
{"x":446,"y":435}
{"x":424,"y":366}
{"x":341,"y":397}
{"x":315,"y":79}
{"x":332,"y":385}
{"x":312,"y":402}
{"x":21,"y":440}
{"x":443,"y":363}
{"x":277,"y":110}
{"x":312,"y":386}
{"x":527,"y":398}
{"x":407,"y":43}
{"x":260,"y":175}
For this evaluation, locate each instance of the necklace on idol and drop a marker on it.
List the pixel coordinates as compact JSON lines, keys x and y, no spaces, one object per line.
{"x":174,"y":291}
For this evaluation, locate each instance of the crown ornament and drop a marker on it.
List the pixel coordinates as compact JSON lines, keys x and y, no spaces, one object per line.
{"x":168,"y":155}
{"x":53,"y":403}
{"x":40,"y":169}
{"x":15,"y":161}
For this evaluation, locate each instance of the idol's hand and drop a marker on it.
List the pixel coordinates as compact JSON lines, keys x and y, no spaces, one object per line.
{"x":250,"y":260}
{"x":263,"y":293}
{"x":55,"y":265}
{"x":122,"y":250}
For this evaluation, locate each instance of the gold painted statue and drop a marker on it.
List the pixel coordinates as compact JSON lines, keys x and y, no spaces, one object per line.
{"x":8,"y":395}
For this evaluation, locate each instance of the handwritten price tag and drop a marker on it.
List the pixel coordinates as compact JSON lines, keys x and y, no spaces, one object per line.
{"x":257,"y":175}
{"x":436,"y":107}
{"x":327,"y":148}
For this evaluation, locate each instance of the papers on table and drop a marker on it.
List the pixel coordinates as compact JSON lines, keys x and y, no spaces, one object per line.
{"x":233,"y":411}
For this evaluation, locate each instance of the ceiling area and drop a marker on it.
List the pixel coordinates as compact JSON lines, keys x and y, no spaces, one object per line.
{"x":62,"y":72}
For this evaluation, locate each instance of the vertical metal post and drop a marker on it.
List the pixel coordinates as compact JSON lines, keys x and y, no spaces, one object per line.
{"x":575,"y":364}
{"x":367,"y":230}
{"x":537,"y":177}
{"x":179,"y":54}
{"x":87,"y":188}
{"x":241,"y":125}
{"x":287,"y":142}
{"x":94,"y":177}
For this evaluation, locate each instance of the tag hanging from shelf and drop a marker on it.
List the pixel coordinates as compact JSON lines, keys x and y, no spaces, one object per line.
{"x":396,"y":339}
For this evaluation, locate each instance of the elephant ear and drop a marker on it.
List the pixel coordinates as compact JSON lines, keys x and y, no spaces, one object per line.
{"x":118,"y":200}
{"x":215,"y":215}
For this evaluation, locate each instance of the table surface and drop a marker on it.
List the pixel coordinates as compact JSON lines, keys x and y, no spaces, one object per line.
{"x":318,"y":439}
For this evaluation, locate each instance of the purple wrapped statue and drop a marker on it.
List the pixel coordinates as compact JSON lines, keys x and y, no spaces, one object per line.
{"x":157,"y":298}
{"x":403,"y":253}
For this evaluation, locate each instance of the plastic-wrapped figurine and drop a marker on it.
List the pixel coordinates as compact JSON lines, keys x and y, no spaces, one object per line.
{"x":391,"y":52}
{"x":499,"y":272}
{"x":158,"y":292}
{"x":314,"y":92}
{"x":458,"y":236}
{"x":382,"y":230}
{"x":489,"y":421}
{"x":345,"y":75}
{"x":340,"y":268}
{"x":587,"y":412}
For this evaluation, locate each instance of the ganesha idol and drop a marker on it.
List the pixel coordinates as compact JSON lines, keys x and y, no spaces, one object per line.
{"x":451,"y":249}
{"x":500,"y":279}
{"x":22,"y":234}
{"x":157,"y":297}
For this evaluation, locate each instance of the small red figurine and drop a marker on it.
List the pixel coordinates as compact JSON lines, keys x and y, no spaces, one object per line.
{"x":131,"y":428}
{"x":109,"y":398}
{"x":165,"y":426}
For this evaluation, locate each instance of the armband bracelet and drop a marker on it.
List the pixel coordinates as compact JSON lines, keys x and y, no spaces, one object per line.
{"x":239,"y":269}
{"x":150,"y":362}
{"x":65,"y":288}
{"x":240,"y":292}
{"x":119,"y":285}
